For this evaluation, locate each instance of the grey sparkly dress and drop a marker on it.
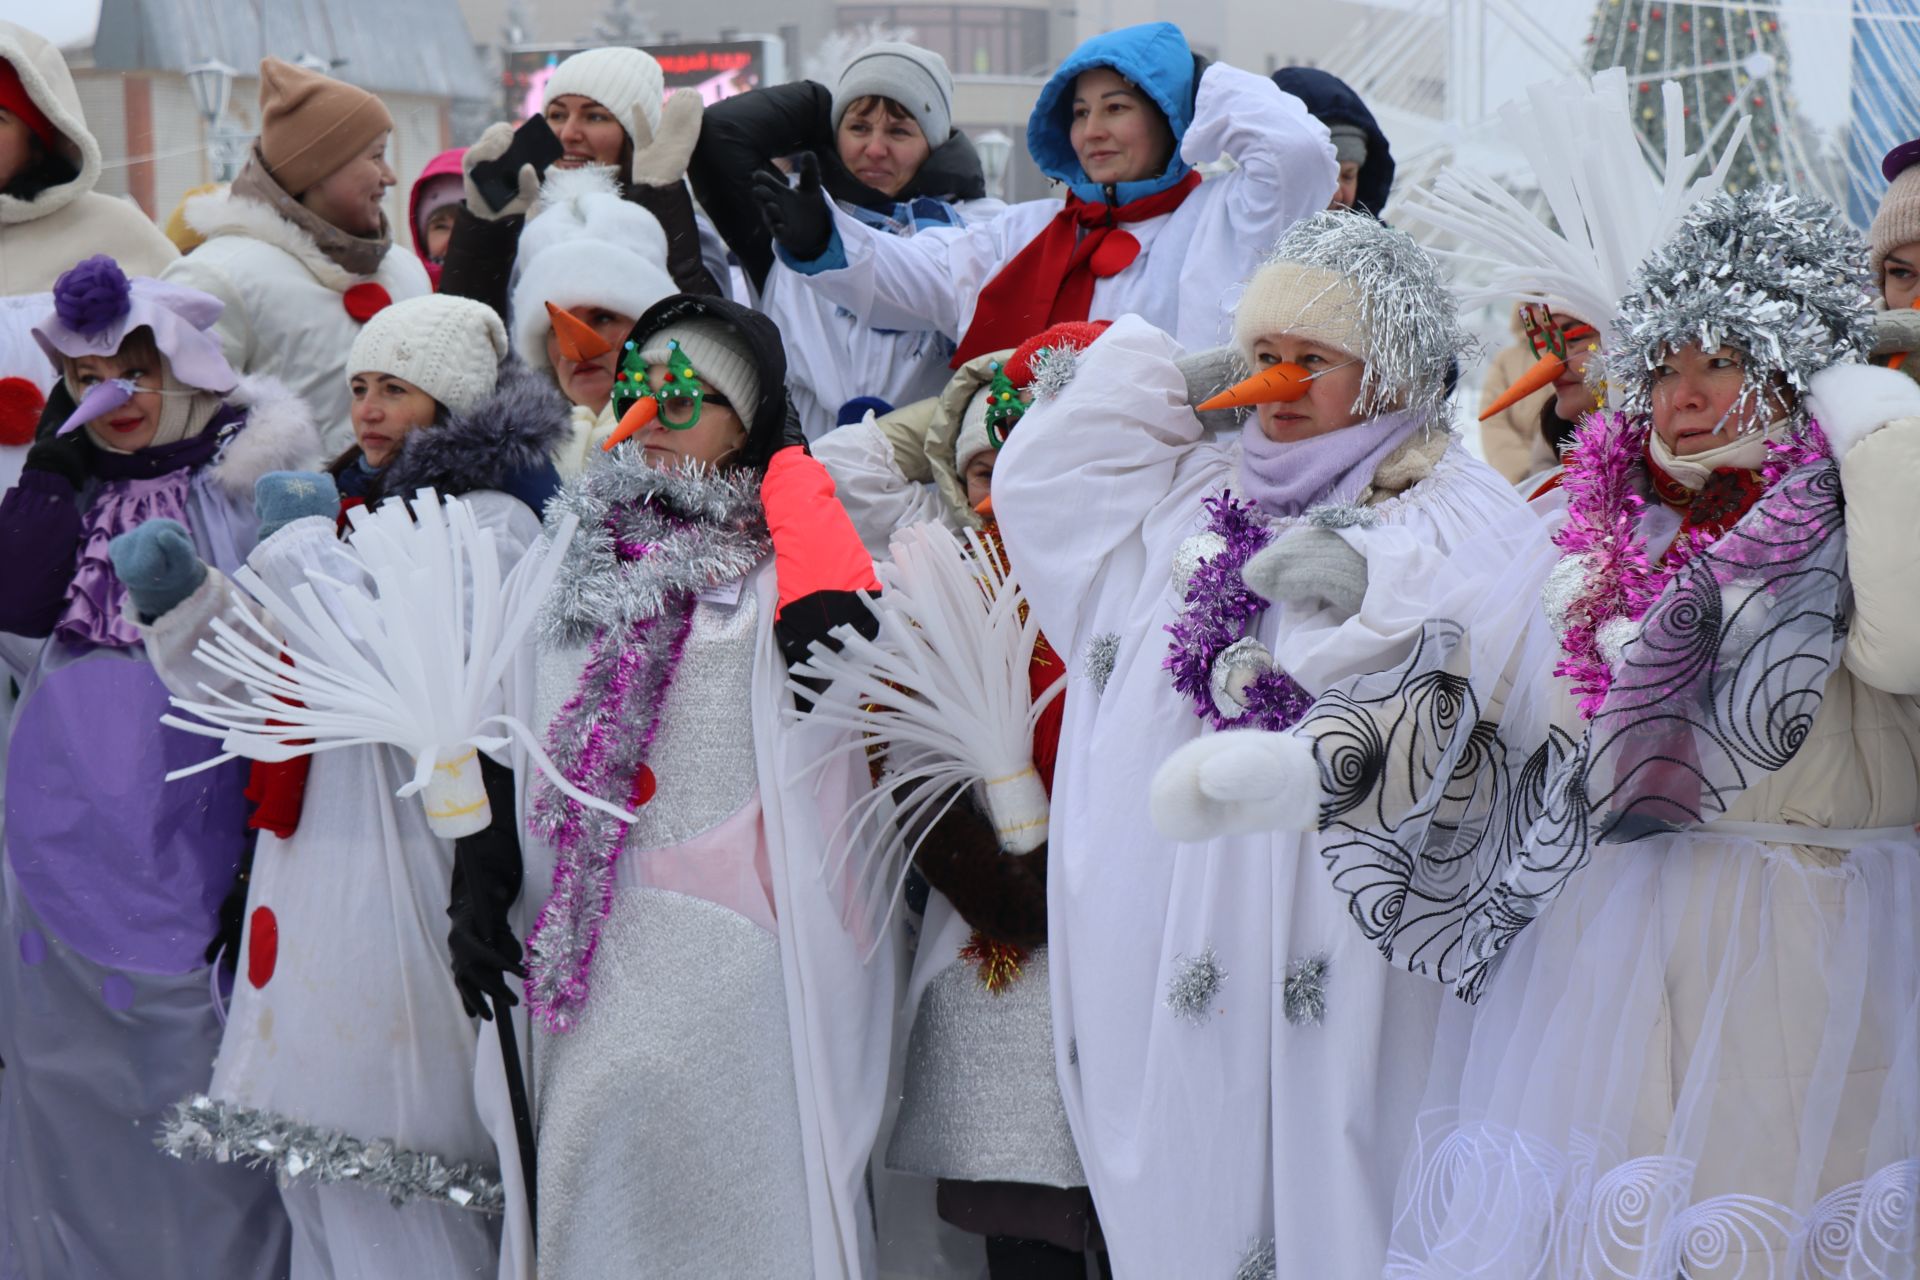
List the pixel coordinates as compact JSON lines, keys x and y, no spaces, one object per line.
{"x":668,"y":1119}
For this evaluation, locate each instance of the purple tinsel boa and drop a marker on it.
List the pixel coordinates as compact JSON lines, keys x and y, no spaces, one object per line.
{"x":1284,"y":479}
{"x":1220,"y":609}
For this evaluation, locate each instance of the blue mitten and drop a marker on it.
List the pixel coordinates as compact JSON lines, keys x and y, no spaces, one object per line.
{"x":158,"y":565}
{"x":281,"y":497}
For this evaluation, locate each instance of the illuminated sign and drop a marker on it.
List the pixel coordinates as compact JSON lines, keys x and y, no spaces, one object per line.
{"x":716,"y":69}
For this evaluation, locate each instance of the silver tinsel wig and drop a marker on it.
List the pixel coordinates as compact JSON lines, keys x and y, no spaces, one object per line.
{"x":1779,"y":277}
{"x":1407,"y":311}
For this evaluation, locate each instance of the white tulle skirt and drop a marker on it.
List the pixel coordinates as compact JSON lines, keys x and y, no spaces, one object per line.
{"x":1702,"y":1061}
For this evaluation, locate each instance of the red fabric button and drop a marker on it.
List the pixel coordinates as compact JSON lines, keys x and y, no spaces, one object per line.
{"x":263,"y":946}
{"x":1115,"y":254}
{"x":365,"y":301}
{"x":20,"y":406}
{"x":643,"y":788}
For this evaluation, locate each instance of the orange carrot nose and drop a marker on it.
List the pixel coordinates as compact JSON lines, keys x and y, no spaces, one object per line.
{"x":984,"y":507}
{"x":643,"y":412}
{"x":1543,"y":374}
{"x":1283,"y":383}
{"x":578,"y":340}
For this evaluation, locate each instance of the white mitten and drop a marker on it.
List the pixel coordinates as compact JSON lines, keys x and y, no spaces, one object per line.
{"x":660,"y":158}
{"x":492,"y":145}
{"x":1852,"y":401}
{"x":1235,"y":782}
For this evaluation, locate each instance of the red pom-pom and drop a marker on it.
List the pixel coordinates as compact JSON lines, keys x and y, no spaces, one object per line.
{"x":1115,"y":254}
{"x":263,"y":946}
{"x":20,"y":406}
{"x":1077,"y":334}
{"x":644,"y":786}
{"x":365,"y":301}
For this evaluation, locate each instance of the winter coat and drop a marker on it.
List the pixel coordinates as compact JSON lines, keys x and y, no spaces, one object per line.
{"x":1512,"y":441}
{"x":1333,"y":101}
{"x":447,"y":163}
{"x":1190,"y":260}
{"x":286,"y":301}
{"x":836,"y":358}
{"x":1195,"y":1142}
{"x":345,"y":1016}
{"x":48,"y":232}
{"x":154,"y":907}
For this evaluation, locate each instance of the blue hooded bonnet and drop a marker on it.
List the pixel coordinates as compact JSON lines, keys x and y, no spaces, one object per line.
{"x":1156,"y":59}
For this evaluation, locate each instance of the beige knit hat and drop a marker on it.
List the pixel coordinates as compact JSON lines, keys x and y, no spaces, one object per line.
{"x":1310,"y":302}
{"x":619,"y":79}
{"x":714,"y":351}
{"x":1898,"y":221}
{"x":450,"y":348}
{"x":312,"y":124}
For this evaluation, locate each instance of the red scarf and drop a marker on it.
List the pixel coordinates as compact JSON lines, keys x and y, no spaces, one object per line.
{"x":1051,"y":280}
{"x":1729,"y":494}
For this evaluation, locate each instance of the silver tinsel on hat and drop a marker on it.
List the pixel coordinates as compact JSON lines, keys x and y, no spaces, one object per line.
{"x":1303,"y":993}
{"x":1410,"y":315}
{"x":1779,"y":277}
{"x":706,"y":528}
{"x":1097,"y":663}
{"x":204,"y":1128}
{"x":1343,"y":515}
{"x":1259,"y":1262}
{"x":1196,"y":981}
{"x":1053,"y":369}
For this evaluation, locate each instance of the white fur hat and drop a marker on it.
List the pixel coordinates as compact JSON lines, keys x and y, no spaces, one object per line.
{"x":450,"y":348}
{"x":618,"y":78}
{"x":585,"y":246}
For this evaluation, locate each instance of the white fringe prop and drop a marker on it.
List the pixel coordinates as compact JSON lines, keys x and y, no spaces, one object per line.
{"x":944,"y":689}
{"x":414,"y":662}
{"x":1613,"y":210}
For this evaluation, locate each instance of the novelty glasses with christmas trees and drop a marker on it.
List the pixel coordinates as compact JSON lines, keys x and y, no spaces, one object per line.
{"x":676,"y":403}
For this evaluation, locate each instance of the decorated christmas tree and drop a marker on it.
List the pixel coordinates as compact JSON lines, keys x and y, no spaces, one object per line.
{"x":1728,"y":60}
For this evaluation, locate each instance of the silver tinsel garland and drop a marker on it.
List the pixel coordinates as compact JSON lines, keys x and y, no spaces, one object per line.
{"x":1343,"y":515}
{"x":1053,"y":369}
{"x":1196,"y":982}
{"x":1259,"y":1262}
{"x":1097,"y":663}
{"x":1409,"y":314}
{"x":202,"y":1128}
{"x":1779,"y":277}
{"x":699,"y":528}
{"x":1303,"y":994}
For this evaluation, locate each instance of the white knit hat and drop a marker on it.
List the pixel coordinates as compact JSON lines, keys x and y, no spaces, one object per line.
{"x":450,"y":348}
{"x":618,"y":78}
{"x":713,"y":349}
{"x":973,"y":438}
{"x":584,"y":246}
{"x":1310,"y":302}
{"x":915,"y":78}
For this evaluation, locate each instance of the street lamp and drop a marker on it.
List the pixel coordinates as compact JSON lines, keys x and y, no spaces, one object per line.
{"x":995,"y":149}
{"x":212,"y":85}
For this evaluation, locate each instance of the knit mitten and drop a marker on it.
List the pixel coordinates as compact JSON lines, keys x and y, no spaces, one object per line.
{"x":158,"y":565}
{"x":281,"y":497}
{"x":660,"y":158}
{"x":1236,"y":782}
{"x":1310,"y":565}
{"x":1208,"y":373}
{"x":491,"y":146}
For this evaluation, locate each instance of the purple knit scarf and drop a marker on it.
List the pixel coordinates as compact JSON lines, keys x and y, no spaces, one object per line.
{"x":1286,"y":479}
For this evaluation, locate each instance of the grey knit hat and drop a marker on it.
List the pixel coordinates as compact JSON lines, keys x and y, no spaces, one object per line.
{"x":915,"y":78}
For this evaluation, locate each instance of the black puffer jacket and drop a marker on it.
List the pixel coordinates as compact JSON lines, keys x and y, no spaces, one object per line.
{"x":747,"y":133}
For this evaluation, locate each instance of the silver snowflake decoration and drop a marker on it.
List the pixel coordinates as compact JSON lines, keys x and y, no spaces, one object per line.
{"x":1097,"y":662}
{"x":1303,"y":996}
{"x":1196,"y":983}
{"x":1258,"y":1262}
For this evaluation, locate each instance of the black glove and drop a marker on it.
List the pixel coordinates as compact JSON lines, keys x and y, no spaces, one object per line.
{"x":486,"y":881}
{"x":69,"y":456}
{"x":797,"y":217}
{"x":794,"y":433}
{"x":1003,"y":895}
{"x":233,"y":915}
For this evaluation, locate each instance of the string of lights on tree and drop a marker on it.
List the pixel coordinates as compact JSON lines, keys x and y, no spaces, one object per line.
{"x":1728,"y":60}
